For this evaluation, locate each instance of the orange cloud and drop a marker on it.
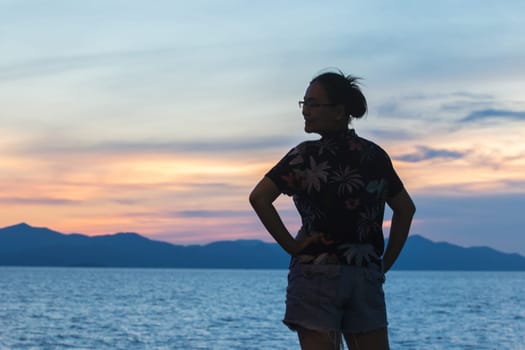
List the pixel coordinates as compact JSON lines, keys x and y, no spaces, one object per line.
{"x":146,"y":192}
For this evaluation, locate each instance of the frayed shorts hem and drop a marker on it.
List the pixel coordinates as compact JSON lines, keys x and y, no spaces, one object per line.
{"x":295,"y":325}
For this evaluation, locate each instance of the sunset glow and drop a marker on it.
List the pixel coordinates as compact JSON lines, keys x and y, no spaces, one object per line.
{"x":162,"y":127}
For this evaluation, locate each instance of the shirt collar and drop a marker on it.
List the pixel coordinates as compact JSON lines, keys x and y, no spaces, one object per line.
{"x":340,"y":134}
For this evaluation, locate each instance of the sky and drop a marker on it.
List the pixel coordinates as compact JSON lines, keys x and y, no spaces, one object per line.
{"x":159,"y":117}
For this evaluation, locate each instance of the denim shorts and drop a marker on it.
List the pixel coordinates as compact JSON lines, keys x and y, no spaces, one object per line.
{"x":333,"y":297}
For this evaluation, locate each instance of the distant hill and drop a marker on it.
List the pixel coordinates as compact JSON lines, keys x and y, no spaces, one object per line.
{"x":420,"y":253}
{"x":24,"y":245}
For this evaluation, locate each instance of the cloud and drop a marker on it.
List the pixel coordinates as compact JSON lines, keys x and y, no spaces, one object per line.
{"x":425,"y":153}
{"x":53,"y":65}
{"x":494,"y":114}
{"x":394,"y":135}
{"x":44,"y":147}
{"x":434,"y":107}
{"x":213,"y":213}
{"x":58,"y":64}
{"x":36,"y":201}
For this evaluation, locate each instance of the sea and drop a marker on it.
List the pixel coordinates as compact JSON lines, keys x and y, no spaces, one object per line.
{"x":119,"y":308}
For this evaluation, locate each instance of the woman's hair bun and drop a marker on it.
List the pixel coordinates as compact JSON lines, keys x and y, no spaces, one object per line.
{"x":343,"y":89}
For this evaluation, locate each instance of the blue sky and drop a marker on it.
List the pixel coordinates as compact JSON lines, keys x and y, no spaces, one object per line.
{"x":159,"y":117}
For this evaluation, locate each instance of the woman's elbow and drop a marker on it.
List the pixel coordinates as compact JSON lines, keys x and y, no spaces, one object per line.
{"x":264,"y":193}
{"x":407,"y":210}
{"x":402,"y":204}
{"x":257,"y":197}
{"x":411,"y":208}
{"x":253,"y":198}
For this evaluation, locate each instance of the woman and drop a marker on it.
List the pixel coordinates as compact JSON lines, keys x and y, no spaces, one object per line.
{"x":340,"y":184}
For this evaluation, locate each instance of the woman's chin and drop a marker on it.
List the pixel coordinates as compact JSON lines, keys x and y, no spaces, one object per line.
{"x":308,"y":128}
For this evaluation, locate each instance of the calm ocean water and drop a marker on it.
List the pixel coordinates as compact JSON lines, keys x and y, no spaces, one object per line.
{"x":99,"y":308}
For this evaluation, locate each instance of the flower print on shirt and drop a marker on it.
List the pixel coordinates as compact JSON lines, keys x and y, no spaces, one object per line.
{"x":377,"y":187}
{"x":315,"y":174}
{"x":292,"y":176}
{"x":348,"y":180}
{"x":339,"y":184}
{"x":368,"y":223}
{"x":294,"y":180}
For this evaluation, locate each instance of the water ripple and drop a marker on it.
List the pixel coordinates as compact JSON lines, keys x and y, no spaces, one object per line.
{"x":54,"y":308}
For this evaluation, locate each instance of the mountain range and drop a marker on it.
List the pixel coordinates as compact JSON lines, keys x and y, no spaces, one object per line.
{"x":24,"y":245}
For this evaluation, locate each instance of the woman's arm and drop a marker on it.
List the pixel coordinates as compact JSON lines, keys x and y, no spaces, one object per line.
{"x":261,"y":199}
{"x":403,"y":210}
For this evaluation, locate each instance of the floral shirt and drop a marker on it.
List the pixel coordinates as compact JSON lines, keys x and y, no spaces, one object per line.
{"x":339,"y":185}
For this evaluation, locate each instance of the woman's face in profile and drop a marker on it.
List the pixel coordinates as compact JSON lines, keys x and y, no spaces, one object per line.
{"x":320,"y":115}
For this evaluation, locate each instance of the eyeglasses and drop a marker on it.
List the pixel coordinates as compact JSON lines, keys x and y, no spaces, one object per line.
{"x":310,"y":104}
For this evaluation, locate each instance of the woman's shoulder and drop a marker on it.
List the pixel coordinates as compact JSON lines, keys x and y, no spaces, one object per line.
{"x":305,"y":146}
{"x":371,"y":147}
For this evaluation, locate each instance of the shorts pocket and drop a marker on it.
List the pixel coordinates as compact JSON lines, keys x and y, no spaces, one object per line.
{"x":313,"y":283}
{"x":374,"y":293}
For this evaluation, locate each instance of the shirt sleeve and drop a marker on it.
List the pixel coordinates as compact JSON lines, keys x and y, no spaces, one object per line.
{"x":287,"y":174}
{"x":395,"y":185}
